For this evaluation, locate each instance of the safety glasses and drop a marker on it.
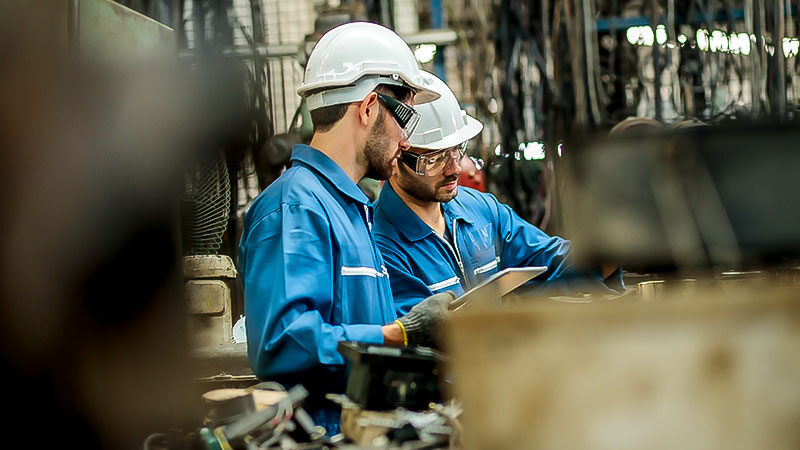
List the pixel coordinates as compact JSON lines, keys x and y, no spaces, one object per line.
{"x":406,"y":116}
{"x":432,"y":163}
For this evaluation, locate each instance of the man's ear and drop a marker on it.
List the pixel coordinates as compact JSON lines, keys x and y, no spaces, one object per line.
{"x":368,"y":108}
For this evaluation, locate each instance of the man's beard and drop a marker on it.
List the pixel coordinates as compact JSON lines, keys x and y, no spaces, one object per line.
{"x":376,"y":152}
{"x":416,"y":188}
{"x":446,"y":196}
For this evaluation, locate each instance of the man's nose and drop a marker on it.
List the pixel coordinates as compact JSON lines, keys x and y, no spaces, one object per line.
{"x":453,"y":166}
{"x":404,"y":144}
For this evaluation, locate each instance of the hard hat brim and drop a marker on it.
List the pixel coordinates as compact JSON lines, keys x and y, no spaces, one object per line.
{"x":468,"y":132}
{"x":357,"y":92}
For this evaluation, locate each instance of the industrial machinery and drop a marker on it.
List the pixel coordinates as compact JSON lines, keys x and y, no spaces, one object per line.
{"x":384,"y":377}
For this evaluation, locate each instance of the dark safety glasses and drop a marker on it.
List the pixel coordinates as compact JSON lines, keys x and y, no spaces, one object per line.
{"x":432,"y":163}
{"x":406,"y":116}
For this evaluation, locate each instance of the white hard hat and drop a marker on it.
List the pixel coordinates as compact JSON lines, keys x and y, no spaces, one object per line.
{"x":443,"y":124}
{"x":351,"y":60}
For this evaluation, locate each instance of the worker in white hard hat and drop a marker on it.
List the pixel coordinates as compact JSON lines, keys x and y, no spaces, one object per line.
{"x":436,"y":236}
{"x":312,"y":272}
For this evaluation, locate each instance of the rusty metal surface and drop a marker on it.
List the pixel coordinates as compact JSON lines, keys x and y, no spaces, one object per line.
{"x":714,"y":370}
{"x":73,"y":24}
{"x":207,"y":297}
{"x":228,"y":360}
{"x":208,"y":266}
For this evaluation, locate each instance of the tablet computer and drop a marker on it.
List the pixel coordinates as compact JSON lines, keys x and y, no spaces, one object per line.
{"x":497,"y":285}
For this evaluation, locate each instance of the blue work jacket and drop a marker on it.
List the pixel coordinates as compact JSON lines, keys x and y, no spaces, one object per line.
{"x":312,"y":273}
{"x":489,"y":237}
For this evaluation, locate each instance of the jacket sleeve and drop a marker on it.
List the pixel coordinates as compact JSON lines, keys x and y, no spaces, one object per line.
{"x":522,"y":244}
{"x":288,"y":268}
{"x":407,"y":289}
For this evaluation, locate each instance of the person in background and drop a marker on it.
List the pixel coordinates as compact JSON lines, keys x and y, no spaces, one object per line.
{"x":436,"y":236}
{"x":312,"y":273}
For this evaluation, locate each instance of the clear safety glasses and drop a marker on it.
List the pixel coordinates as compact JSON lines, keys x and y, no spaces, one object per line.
{"x":433,"y":163}
{"x":406,"y":116}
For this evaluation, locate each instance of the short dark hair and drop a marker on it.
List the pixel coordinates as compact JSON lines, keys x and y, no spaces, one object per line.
{"x":323,"y":119}
{"x":401,"y":93}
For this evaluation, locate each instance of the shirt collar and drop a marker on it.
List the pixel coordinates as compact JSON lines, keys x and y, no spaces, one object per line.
{"x":454,"y":209}
{"x":406,"y":221}
{"x":328,"y":169}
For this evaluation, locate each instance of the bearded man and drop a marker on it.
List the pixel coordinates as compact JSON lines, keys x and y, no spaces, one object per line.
{"x":436,"y":236}
{"x":311,"y":270}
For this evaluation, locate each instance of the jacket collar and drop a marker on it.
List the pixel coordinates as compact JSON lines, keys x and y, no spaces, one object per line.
{"x":406,"y":221}
{"x":454,"y":209}
{"x":329,"y":170}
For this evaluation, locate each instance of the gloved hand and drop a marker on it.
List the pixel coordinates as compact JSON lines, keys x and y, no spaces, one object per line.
{"x":421,"y":324}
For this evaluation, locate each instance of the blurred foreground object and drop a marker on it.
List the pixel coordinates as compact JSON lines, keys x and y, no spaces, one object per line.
{"x":688,"y":199}
{"x":716,"y":369}
{"x":97,"y":128}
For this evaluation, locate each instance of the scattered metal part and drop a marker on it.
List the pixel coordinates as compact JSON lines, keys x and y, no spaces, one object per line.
{"x":341,"y":399}
{"x":401,"y":428}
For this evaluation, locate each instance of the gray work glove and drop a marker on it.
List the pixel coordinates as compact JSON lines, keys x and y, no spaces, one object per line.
{"x":421,"y":324}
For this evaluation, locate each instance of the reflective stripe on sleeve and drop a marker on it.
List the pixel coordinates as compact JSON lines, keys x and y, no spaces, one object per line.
{"x":443,"y":284}
{"x":362,"y":271}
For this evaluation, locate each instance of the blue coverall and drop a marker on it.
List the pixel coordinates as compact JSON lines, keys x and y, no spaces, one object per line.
{"x":312,"y":276}
{"x":489,"y":237}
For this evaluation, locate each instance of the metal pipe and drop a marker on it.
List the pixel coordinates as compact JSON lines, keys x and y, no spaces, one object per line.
{"x":656,"y":61}
{"x":175,"y":11}
{"x":73,"y":26}
{"x":779,"y":73}
{"x":437,"y":19}
{"x":198,"y":10}
{"x":386,"y":16}
{"x":749,"y":21}
{"x":589,"y":35}
{"x":760,"y":17}
{"x":261,"y":51}
{"x":612,"y":57}
{"x":675,"y":56}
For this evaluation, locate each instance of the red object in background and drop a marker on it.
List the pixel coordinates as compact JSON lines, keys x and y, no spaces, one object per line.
{"x":471,"y":176}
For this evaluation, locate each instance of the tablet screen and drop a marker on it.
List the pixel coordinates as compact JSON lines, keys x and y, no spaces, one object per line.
{"x":497,"y":285}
